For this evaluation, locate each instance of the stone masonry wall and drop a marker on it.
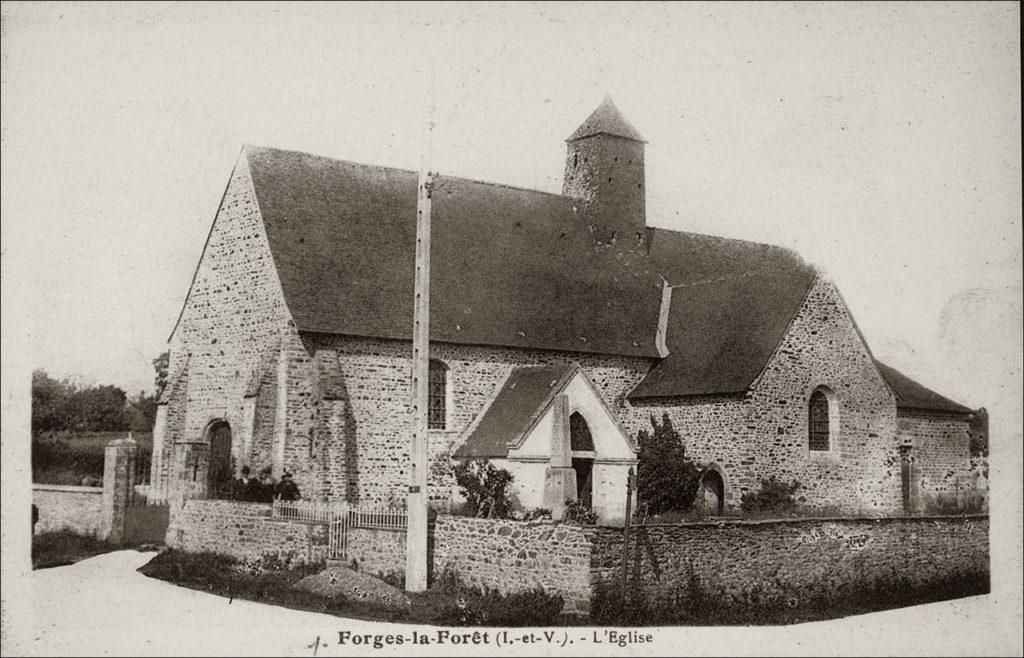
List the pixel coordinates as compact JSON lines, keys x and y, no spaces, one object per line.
{"x":513,"y":556}
{"x":244,"y":531}
{"x":940,"y":449}
{"x":764,"y":433}
{"x":234,"y":312}
{"x":371,"y":425}
{"x":377,"y":551}
{"x":76,"y":509}
{"x":779,"y":560}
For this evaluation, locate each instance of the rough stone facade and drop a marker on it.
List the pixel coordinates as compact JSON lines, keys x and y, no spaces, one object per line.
{"x":233,"y":318}
{"x":244,"y":531}
{"x":363,"y":435}
{"x":780,"y":560}
{"x":75,"y":509}
{"x":733,"y":562}
{"x":333,"y":409}
{"x":765,"y":432}
{"x":940,"y":452}
{"x":512,"y":556}
{"x":377,"y":551}
{"x":606,"y":173}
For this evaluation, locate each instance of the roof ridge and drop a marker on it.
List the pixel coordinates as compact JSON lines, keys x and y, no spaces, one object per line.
{"x":506,"y":186}
{"x":402,"y":170}
{"x":247,"y":147}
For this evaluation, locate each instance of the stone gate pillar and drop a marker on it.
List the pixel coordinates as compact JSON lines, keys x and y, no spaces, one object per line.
{"x":118,"y":483}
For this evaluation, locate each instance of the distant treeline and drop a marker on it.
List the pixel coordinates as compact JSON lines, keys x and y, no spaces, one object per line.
{"x":63,"y":405}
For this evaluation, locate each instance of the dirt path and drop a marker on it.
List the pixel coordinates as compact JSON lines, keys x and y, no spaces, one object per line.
{"x":102,"y":606}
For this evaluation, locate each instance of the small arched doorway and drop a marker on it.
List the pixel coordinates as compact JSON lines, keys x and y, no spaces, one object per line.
{"x":711,"y":493}
{"x":220,"y":472}
{"x":581,"y":443}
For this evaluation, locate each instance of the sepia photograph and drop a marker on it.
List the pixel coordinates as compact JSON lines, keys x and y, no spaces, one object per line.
{"x":521,"y":328}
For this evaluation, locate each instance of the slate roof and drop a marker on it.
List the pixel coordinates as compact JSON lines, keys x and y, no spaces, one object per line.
{"x":608,"y":120}
{"x":510,"y":267}
{"x":513,"y":411}
{"x":516,"y":268}
{"x":722,"y":332}
{"x":912,"y":395}
{"x":687,"y":258}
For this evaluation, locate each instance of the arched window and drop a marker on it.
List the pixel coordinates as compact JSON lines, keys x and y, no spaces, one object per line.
{"x":437,"y":395}
{"x":818,"y":421}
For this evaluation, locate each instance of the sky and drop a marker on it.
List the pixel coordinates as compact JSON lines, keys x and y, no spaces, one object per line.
{"x":882,"y":141}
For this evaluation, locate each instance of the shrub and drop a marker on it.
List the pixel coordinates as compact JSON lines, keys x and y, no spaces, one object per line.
{"x":470,"y":606}
{"x":270,"y":561}
{"x":536,"y":514}
{"x":485,"y":487}
{"x":576,"y":511}
{"x":394,"y":578}
{"x":773,"y":496}
{"x":952,"y":504}
{"x":667,"y":479}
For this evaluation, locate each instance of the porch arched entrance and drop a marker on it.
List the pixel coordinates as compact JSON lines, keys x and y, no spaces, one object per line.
{"x":581,"y":443}
{"x":220,"y":471}
{"x":711,"y":493}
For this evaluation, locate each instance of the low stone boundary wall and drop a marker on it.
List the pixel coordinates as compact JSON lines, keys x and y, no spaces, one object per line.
{"x":377,"y":551}
{"x":244,"y":531}
{"x":514,"y":556}
{"x":77,"y":509}
{"x":737,"y":561}
{"x":731,"y":561}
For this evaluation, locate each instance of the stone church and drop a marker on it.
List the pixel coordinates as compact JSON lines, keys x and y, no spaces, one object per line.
{"x":560,"y":324}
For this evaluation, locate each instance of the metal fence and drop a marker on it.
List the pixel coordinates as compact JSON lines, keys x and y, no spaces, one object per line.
{"x":307,"y":511}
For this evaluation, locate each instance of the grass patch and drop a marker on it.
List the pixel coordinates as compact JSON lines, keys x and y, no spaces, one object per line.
{"x":451,"y":602}
{"x":58,"y":549}
{"x":693,"y":606}
{"x":68,"y":457}
{"x":448,"y":601}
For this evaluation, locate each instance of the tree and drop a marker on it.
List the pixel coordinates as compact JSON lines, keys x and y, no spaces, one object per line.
{"x":143,"y":412}
{"x":49,"y":402}
{"x":486,"y":488}
{"x":161,"y":364}
{"x":65,"y":406}
{"x":98,"y":409}
{"x":667,"y":479}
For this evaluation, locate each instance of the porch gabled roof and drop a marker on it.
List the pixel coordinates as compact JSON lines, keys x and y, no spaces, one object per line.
{"x":523,"y":398}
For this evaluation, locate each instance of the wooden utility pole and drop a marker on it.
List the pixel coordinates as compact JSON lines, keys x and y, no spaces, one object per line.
{"x":419,"y":456}
{"x":630,"y":487}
